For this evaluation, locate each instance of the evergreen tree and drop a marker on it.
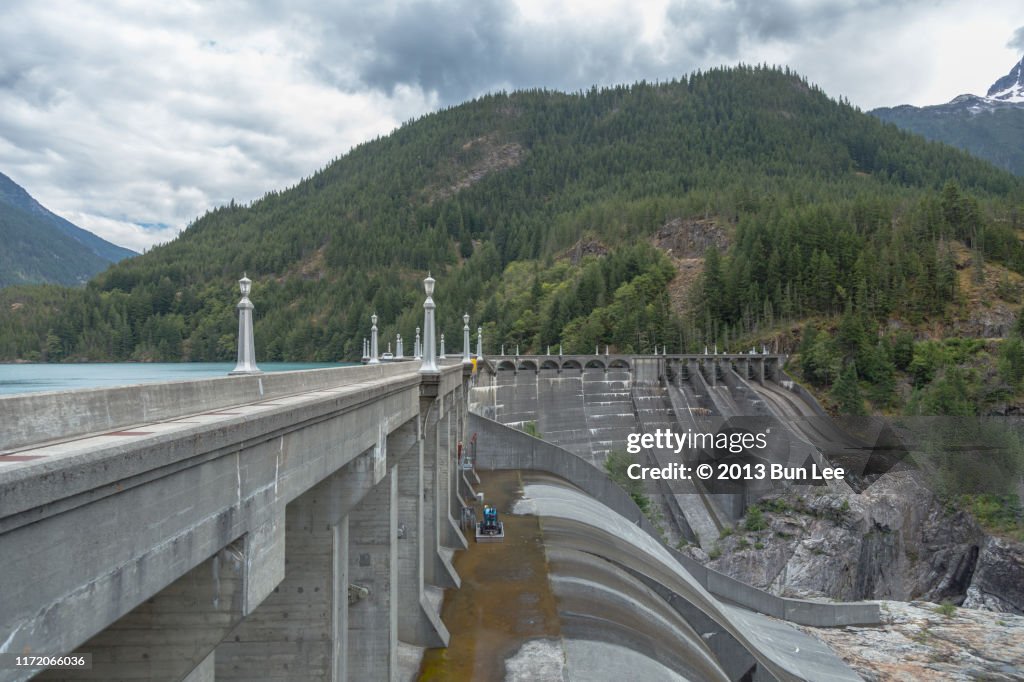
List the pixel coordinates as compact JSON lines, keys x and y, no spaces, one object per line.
{"x":846,"y":392}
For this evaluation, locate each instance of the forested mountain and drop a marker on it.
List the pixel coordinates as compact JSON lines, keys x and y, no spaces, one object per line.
{"x":580,"y":218}
{"x":40,"y":246}
{"x":990,"y":127}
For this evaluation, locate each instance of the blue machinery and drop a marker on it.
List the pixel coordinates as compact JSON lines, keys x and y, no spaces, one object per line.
{"x":490,"y":529}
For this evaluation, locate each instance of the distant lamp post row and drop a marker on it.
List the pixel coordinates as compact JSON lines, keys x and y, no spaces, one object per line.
{"x":426,"y":352}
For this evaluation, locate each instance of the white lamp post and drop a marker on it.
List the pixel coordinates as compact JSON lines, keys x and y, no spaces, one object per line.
{"x":246,"y":344}
{"x":429,"y":365}
{"x":374,"y":360}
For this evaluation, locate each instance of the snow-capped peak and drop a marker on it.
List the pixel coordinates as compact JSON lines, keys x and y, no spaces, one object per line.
{"x":1009,"y":88}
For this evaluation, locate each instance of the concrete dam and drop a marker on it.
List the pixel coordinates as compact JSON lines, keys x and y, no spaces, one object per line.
{"x":312,"y":526}
{"x":589,"y":405}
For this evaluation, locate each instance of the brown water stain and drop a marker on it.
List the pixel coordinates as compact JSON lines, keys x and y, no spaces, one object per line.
{"x":505,"y":598}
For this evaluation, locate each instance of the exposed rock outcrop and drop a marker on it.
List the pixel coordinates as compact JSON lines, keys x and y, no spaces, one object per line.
{"x":689,"y":238}
{"x":893,"y":541}
{"x":918,"y":642}
{"x":998,"y":583}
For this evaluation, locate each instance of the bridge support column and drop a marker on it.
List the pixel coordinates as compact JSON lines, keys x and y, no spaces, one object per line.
{"x":447,"y":470}
{"x":300,"y":630}
{"x":372,"y":645}
{"x":759,"y":363}
{"x":420,"y":623}
{"x":172,"y":635}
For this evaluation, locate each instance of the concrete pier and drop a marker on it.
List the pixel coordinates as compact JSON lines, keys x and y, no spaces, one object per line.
{"x":173,"y":634}
{"x":373,"y":573}
{"x":300,"y":630}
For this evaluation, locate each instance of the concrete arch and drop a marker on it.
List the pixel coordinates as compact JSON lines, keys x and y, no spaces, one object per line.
{"x":506,"y":366}
{"x":528,"y":364}
{"x":572,"y":364}
{"x":595,"y":364}
{"x":549,"y":364}
{"x":618,"y":363}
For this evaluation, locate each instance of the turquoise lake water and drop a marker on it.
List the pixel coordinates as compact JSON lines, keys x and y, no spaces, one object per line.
{"x":26,"y":378}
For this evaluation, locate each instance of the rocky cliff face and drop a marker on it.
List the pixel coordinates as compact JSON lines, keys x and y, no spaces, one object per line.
{"x":998,"y":583}
{"x":893,"y":541}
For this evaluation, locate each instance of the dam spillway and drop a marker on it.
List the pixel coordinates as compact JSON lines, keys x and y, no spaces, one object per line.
{"x":586,"y":594}
{"x":590,"y":405}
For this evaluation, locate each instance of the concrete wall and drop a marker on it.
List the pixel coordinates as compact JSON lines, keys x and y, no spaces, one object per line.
{"x":37,"y":417}
{"x":502,"y":447}
{"x":803,"y":393}
{"x":588,"y":412}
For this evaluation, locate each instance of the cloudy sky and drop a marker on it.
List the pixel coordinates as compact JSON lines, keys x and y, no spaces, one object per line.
{"x":133,"y":118}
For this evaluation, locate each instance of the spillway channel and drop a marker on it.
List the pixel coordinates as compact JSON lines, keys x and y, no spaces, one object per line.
{"x":505,"y":599}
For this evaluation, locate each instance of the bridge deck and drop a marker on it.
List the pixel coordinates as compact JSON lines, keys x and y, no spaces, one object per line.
{"x":44,"y":459}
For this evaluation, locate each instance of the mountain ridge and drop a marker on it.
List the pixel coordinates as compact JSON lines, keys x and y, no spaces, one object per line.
{"x":990,"y":126}
{"x":42,"y":247}
{"x":1009,"y":88}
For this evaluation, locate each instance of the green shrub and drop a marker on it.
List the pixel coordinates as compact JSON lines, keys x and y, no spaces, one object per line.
{"x":755,"y":519}
{"x":617,"y":466}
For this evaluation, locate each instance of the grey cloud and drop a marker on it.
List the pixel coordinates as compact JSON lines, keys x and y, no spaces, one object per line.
{"x":464,"y":48}
{"x":454,"y":48}
{"x":1017,"y":41}
{"x":719,"y":29}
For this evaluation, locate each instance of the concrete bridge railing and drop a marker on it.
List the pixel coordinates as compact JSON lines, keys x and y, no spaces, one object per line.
{"x":38,"y":417}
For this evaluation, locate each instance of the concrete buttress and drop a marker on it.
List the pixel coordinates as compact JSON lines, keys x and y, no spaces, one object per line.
{"x":420,"y":623}
{"x":300,"y":630}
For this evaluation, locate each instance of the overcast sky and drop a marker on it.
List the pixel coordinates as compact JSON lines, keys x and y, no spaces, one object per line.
{"x":133,"y":118}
